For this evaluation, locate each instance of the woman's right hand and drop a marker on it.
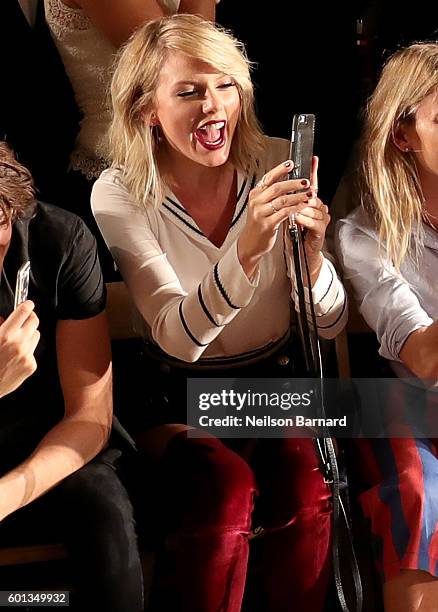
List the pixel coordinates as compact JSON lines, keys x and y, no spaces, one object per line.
{"x":270,"y":203}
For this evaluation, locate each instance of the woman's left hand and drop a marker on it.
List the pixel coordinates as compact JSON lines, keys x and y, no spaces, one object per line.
{"x":315,"y":219}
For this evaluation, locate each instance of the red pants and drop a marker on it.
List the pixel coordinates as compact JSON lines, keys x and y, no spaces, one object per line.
{"x":211,"y":491}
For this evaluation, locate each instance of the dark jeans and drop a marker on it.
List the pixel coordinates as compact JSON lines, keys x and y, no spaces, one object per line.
{"x":91,"y":514}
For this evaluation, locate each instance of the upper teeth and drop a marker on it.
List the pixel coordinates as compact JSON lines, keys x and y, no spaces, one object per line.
{"x":217,"y":126}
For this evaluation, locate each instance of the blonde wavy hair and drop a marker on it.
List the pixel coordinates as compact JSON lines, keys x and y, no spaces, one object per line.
{"x":133,"y":142}
{"x":391,"y":187}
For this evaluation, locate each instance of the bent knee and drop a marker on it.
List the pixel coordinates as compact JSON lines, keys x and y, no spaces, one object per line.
{"x":219,"y":483}
{"x":96,"y":490}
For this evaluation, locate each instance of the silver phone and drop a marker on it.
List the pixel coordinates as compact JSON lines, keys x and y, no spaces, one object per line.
{"x":301,"y":146}
{"x":22,"y":284}
{"x":301,"y":152}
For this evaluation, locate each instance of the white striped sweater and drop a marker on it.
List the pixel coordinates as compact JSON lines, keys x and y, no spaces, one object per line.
{"x":194,"y":298}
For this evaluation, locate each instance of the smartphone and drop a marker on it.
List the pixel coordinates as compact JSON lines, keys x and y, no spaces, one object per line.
{"x":22,"y":284}
{"x":301,"y":152}
{"x":301,"y":146}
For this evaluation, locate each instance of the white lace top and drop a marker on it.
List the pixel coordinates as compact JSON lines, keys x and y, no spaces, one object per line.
{"x":88,"y":58}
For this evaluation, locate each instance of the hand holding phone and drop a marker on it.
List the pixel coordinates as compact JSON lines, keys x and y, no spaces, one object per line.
{"x":312,"y":220}
{"x":19,"y":337}
{"x":22,"y":284}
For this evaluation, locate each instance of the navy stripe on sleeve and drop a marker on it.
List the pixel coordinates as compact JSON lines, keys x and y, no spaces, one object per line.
{"x":186,"y":328}
{"x":205,"y":309}
{"x":222,"y":290}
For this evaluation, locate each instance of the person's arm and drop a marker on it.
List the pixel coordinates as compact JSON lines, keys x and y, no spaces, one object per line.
{"x":84,"y":363}
{"x":203,"y":8}
{"x":329,"y":299}
{"x":328,"y":294}
{"x":19,"y":337}
{"x":420,"y":352}
{"x":118,"y":19}
{"x":182,"y":323}
{"x":404,"y":330}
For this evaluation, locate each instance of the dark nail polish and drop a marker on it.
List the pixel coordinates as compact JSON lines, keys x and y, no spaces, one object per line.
{"x":304,"y":182}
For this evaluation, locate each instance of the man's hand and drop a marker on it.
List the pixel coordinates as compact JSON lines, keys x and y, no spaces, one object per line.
{"x":19,"y":337}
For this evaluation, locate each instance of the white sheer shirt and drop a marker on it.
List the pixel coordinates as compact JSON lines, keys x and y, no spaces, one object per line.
{"x":394,"y":305}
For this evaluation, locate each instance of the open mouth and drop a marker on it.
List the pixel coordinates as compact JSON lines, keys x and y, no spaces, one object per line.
{"x":211,"y":135}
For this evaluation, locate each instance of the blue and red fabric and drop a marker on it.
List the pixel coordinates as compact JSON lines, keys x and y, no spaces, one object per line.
{"x":402,"y":503}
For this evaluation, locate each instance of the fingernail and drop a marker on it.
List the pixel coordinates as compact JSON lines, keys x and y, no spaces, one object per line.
{"x":310,"y":194}
{"x":305,"y":182}
{"x":288,"y":163}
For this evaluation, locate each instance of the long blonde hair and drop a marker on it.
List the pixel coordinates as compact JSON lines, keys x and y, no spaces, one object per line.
{"x":391,"y":185}
{"x":133,"y":142}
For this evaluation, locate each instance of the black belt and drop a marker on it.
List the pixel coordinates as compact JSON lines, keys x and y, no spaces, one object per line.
{"x":219,"y":363}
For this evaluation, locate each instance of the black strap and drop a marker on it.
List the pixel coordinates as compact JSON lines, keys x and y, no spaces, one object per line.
{"x":308,"y":339}
{"x":325,"y":446}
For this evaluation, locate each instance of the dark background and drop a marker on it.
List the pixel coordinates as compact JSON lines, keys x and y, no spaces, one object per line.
{"x":307,"y":59}
{"x":311,"y":59}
